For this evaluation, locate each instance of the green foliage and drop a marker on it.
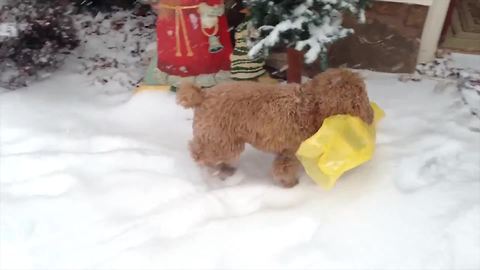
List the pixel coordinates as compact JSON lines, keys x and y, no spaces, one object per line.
{"x":45,"y":35}
{"x":303,"y":24}
{"x":103,"y":5}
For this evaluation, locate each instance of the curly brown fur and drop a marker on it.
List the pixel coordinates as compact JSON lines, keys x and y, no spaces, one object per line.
{"x":272,"y":118}
{"x":189,"y":95}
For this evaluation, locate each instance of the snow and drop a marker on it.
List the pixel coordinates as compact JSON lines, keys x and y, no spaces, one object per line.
{"x":112,"y":54}
{"x":93,"y":177}
{"x":95,"y":180}
{"x":464,"y":76}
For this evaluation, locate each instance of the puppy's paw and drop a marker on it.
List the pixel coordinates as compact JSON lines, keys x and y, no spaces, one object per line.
{"x":287,"y":182}
{"x":224,"y":171}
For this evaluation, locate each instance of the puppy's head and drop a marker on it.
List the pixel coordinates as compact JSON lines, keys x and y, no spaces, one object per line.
{"x":335,"y":79}
{"x":340,"y":91}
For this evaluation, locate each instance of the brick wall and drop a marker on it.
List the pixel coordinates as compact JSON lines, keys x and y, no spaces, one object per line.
{"x":388,"y":42}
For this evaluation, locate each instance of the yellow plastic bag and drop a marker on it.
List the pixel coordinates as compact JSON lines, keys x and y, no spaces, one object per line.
{"x":342,"y":143}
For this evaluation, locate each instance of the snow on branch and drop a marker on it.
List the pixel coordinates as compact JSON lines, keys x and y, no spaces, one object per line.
{"x":274,"y":37}
{"x":310,"y":25}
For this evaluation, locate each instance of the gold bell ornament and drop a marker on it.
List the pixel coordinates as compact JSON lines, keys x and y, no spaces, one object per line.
{"x":214,"y":44}
{"x":209,"y":18}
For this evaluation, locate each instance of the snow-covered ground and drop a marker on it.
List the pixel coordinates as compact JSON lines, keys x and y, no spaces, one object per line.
{"x":92,"y":177}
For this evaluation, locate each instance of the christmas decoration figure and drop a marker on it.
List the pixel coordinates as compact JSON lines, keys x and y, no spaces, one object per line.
{"x":243,"y":67}
{"x":305,"y":26}
{"x":193,"y":43}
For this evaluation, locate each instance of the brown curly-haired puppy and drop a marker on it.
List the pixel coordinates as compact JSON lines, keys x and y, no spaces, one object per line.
{"x":272,"y":118}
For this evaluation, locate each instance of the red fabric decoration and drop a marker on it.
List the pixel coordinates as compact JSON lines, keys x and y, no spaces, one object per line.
{"x":183,"y":48}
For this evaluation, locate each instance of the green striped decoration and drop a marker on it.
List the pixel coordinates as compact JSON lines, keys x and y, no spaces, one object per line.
{"x":242,"y":66}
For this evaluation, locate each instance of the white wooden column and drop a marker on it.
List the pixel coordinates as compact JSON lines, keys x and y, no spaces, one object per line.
{"x":432,"y":28}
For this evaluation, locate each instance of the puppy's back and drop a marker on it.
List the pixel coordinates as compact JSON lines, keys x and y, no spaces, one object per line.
{"x":256,"y":113}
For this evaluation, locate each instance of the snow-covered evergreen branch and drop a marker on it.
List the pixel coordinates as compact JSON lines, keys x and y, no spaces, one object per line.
{"x":310,"y":25}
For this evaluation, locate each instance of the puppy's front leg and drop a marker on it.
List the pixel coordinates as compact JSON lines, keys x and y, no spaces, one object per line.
{"x":285,"y":169}
{"x":223,"y":171}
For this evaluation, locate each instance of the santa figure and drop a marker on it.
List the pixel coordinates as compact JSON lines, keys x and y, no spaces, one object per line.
{"x":193,"y":43}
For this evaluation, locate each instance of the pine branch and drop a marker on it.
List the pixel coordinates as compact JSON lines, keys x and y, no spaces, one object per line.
{"x":309,"y":25}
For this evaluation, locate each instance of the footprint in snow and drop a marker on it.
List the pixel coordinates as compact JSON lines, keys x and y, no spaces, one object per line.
{"x":448,"y":162}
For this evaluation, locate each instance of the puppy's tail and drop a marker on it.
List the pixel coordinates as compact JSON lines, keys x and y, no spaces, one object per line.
{"x":189,"y":95}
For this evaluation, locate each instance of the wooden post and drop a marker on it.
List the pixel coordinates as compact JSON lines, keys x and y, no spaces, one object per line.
{"x":295,"y":64}
{"x":432,"y":30}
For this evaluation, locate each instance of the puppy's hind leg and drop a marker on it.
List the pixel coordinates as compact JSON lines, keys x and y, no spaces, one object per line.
{"x":218,"y":157}
{"x":285,"y":169}
{"x":225,"y":159}
{"x":224,"y":170}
